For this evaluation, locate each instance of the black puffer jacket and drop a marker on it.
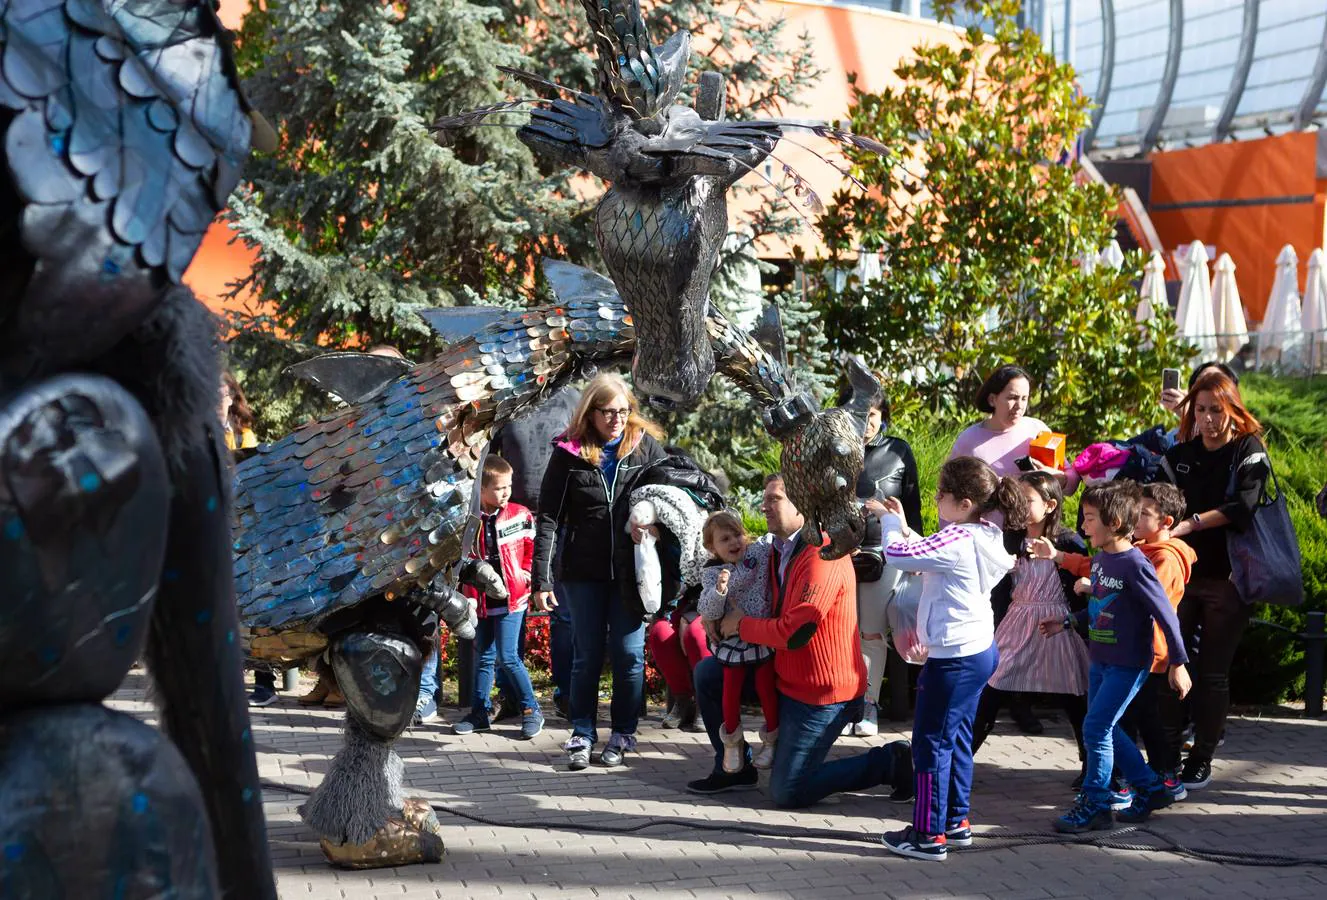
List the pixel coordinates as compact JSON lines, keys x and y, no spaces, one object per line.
{"x":527,"y":443}
{"x":589,"y":516}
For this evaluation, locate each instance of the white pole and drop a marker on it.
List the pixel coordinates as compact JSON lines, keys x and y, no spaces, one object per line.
{"x":915,"y":8}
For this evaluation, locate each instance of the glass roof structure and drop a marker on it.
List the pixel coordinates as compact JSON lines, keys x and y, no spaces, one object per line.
{"x":1171,"y":73}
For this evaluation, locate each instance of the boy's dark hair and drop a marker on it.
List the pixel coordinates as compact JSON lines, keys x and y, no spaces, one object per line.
{"x":772,"y":477}
{"x":1116,"y":501}
{"x":997,"y":382}
{"x":1048,"y":486}
{"x":493,"y":467}
{"x":969,"y":478}
{"x":1168,"y":499}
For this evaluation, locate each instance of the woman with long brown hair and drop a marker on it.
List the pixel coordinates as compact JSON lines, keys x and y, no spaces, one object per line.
{"x":584,"y":506}
{"x":1222,"y":471}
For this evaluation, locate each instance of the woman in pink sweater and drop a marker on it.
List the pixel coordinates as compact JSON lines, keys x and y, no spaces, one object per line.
{"x":1003,"y":437}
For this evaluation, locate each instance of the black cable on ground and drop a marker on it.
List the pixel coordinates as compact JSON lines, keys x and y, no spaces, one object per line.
{"x":1111,"y":840}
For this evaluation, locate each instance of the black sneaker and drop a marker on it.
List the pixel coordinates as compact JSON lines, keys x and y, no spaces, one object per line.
{"x":1084,"y":817}
{"x":1077,"y":784}
{"x":911,"y":842}
{"x":903,"y":781}
{"x":262,"y":696}
{"x":959,"y":836}
{"x":472,"y":723}
{"x":560,"y":707}
{"x":1144,"y":805}
{"x":1196,"y":774}
{"x":721,"y":782}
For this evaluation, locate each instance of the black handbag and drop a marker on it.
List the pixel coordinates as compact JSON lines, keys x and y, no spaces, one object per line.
{"x":1265,"y":565}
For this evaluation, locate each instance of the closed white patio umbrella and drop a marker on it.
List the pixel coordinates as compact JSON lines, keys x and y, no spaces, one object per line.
{"x":1112,"y":256}
{"x":1194,"y":313}
{"x":1152,"y":292}
{"x":1282,"y":332}
{"x":1315,"y":312}
{"x":1231,"y":329}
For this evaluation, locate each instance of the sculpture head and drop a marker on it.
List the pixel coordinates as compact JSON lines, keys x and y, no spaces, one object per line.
{"x":822,"y":458}
{"x":638,"y":78}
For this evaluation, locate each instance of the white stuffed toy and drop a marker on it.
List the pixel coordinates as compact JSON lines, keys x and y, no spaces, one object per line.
{"x":673,"y":509}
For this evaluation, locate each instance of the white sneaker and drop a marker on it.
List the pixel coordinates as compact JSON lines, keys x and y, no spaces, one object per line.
{"x":764,"y":758}
{"x":734,"y":750}
{"x":869,"y":725}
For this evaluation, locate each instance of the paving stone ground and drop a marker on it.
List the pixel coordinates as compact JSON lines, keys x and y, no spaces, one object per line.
{"x":1269,"y":796}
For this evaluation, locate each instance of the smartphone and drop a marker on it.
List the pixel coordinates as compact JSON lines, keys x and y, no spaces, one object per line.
{"x":1170,"y":379}
{"x":1024,"y":463}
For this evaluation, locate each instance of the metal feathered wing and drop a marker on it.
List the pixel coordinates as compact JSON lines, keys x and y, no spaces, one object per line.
{"x":125,"y":130}
{"x":374,"y":499}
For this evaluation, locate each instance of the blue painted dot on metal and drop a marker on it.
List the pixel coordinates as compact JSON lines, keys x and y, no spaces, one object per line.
{"x":49,"y":655}
{"x":110,"y":266}
{"x":59,"y":141}
{"x":122,"y":634}
{"x":230,"y":637}
{"x":203,"y":617}
{"x":211,"y":504}
{"x":170,"y":575}
{"x":247,"y":794}
{"x":637,"y":221}
{"x":140,"y":803}
{"x":245,"y":736}
{"x":14,"y":852}
{"x":89,"y":481}
{"x":14,"y":529}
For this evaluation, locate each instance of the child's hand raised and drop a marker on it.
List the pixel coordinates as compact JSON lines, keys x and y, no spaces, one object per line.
{"x":1041,"y":548}
{"x":874,"y":507}
{"x":1083,"y":586}
{"x":721,"y":586}
{"x":1180,"y":680}
{"x":1048,"y":627}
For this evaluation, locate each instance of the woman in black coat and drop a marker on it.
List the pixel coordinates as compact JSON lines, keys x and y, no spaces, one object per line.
{"x":584,"y":503}
{"x":1222,"y":471}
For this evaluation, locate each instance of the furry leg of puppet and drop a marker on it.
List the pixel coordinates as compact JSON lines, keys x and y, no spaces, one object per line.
{"x":360,"y":811}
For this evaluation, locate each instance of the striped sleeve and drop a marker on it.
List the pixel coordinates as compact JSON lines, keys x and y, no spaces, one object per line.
{"x":937,"y":553}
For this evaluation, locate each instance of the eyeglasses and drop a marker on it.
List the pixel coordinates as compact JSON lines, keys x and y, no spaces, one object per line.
{"x":613,"y":413}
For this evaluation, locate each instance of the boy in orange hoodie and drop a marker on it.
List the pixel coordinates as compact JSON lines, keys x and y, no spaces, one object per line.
{"x":1163,"y":506}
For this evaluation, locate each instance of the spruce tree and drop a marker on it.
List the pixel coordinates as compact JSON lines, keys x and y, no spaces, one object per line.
{"x":361,"y":218}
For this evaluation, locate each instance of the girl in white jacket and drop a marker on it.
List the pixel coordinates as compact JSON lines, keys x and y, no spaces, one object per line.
{"x":959,"y":566}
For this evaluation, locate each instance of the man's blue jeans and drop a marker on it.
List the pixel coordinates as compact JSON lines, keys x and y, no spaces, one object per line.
{"x":600,"y":620}
{"x":800,"y":776}
{"x":1109,"y":690}
{"x":428,"y":680}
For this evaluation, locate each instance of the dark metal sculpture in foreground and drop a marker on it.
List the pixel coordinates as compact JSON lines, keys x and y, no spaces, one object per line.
{"x":124,"y":132}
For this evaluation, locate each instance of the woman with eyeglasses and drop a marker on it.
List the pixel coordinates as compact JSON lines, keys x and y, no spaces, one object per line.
{"x":584,"y":505}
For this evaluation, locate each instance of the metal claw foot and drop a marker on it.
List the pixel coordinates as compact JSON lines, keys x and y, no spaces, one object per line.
{"x":412,"y":838}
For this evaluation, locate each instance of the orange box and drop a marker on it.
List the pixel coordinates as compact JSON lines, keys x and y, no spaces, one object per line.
{"x":1047,"y":448}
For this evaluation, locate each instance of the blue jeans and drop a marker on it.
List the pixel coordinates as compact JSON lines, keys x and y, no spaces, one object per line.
{"x":428,"y":679}
{"x":497,"y":641}
{"x":800,"y":776}
{"x":600,"y":620}
{"x":560,"y":643}
{"x":948,"y":691}
{"x":1109,"y":691}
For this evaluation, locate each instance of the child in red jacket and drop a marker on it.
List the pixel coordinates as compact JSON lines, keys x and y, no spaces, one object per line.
{"x":506,"y":542}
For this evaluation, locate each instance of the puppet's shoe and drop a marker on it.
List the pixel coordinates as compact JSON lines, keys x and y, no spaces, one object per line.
{"x":405,"y":841}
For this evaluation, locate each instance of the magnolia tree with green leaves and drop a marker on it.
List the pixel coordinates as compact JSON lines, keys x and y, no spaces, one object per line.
{"x":983,"y":221}
{"x":360,"y":218}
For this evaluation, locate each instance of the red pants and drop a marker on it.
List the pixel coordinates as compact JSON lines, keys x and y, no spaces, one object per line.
{"x":676,"y":647}
{"x":734,"y":680}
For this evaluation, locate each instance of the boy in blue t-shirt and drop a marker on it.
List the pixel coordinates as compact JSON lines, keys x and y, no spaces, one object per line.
{"x":1125,"y":598}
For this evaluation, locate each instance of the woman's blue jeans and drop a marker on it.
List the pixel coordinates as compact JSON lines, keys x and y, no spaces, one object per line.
{"x":600,"y":622}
